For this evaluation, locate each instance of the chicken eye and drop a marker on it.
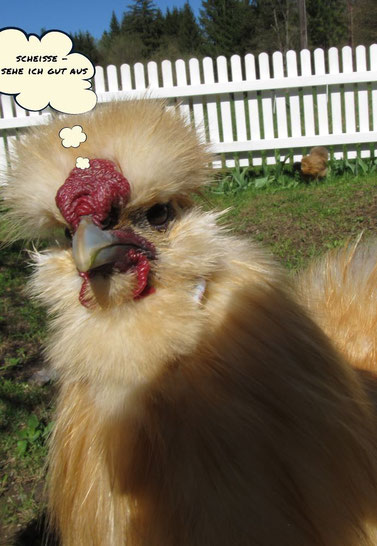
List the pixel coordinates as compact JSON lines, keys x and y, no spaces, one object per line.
{"x":159,"y":215}
{"x":68,"y":234}
{"x":112,"y":219}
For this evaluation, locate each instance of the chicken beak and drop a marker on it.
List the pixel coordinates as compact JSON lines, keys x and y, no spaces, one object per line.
{"x":92,"y":247}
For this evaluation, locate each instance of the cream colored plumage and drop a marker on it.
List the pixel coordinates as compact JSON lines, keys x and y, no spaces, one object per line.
{"x":226,"y":421}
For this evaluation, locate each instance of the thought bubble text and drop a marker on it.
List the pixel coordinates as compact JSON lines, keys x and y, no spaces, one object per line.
{"x":72,"y":137}
{"x":43,"y":72}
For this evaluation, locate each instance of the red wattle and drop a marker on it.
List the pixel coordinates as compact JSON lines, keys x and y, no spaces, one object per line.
{"x":83,"y":297}
{"x":142,"y":267}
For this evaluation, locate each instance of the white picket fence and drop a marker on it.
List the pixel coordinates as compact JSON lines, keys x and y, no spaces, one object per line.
{"x":251,"y":109}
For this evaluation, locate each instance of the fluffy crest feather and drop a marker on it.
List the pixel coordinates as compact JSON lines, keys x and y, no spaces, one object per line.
{"x":154,"y":148}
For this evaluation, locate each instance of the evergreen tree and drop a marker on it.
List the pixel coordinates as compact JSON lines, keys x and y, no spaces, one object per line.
{"x":217,"y":20}
{"x":189,"y":35}
{"x":228,"y":26}
{"x":146,"y":21}
{"x":83,"y":42}
{"x":114,"y":25}
{"x":327,"y":23}
{"x":363,"y":21}
{"x":172,"y":22}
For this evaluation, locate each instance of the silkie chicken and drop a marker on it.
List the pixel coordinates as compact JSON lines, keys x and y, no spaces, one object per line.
{"x":314,"y":165}
{"x":201,"y":404}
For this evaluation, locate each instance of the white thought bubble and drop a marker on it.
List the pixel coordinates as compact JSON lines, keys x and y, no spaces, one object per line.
{"x":82,"y":163}
{"x":43,"y":71}
{"x":72,"y":137}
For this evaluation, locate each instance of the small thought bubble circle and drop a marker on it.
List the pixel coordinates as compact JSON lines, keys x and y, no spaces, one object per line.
{"x":44,"y":71}
{"x":72,"y":137}
{"x":82,"y":163}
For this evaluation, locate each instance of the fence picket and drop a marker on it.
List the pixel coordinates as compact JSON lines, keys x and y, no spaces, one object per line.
{"x":3,"y":157}
{"x":373,"y":66}
{"x":197,"y":102}
{"x":152,"y":74}
{"x":239,"y":104}
{"x":267,"y":103}
{"x":6,"y":106}
{"x":180,"y":68}
{"x":281,"y":107}
{"x":252,"y":102}
{"x":213,"y":121}
{"x":225,"y":109}
{"x":226,"y":116}
{"x":125,"y":77}
{"x":167,"y":79}
{"x":294,"y":100}
{"x":335,"y":98}
{"x":99,"y":80}
{"x":362,"y":96}
{"x":20,"y":112}
{"x":349,"y":97}
{"x":268,"y":122}
{"x":322,"y":106}
{"x":306,"y":70}
{"x":139,"y":74}
{"x":112,"y":78}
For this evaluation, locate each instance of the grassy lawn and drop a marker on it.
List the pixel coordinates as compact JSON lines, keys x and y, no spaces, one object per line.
{"x":300,"y":223}
{"x":296,"y":224}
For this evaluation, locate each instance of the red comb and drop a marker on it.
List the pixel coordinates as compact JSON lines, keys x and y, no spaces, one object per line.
{"x":93,"y":191}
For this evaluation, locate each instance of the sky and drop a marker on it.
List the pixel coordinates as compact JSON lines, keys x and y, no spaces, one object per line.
{"x":71,"y":15}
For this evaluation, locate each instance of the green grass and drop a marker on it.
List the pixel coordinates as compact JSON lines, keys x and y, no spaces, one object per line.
{"x":295,"y":223}
{"x":25,"y":408}
{"x":302,"y":222}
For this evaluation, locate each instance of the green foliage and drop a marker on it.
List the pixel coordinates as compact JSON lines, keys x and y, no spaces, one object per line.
{"x":233,"y":182}
{"x":114,"y":26}
{"x":363,"y":21}
{"x":239,"y":179}
{"x":172,"y":22}
{"x":284,"y":175}
{"x":189,"y":34}
{"x":327,"y":23}
{"x":277,"y":25}
{"x":145,"y":33}
{"x":228,"y":25}
{"x":143,"y":19}
{"x":181,"y":37}
{"x":358,"y":166}
{"x":85,"y":43}
{"x":122,"y":48}
{"x":33,"y":433}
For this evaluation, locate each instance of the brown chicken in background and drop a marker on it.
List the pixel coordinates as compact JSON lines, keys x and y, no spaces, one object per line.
{"x":200,"y":404}
{"x":314,"y":165}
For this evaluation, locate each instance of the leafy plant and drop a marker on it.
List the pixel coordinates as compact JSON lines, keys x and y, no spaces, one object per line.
{"x":285,"y":174}
{"x":355,"y":167}
{"x":236,"y":180}
{"x":34,"y":431}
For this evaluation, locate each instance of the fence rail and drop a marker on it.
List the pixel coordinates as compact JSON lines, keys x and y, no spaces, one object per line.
{"x":251,"y":109}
